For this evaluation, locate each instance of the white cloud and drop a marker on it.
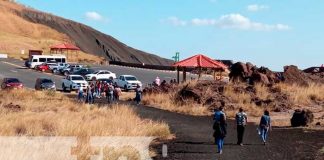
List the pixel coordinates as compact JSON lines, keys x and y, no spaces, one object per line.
{"x":175,"y":21}
{"x":237,"y":21}
{"x":203,"y":22}
{"x":229,"y":21}
{"x":94,"y":16}
{"x":256,"y":7}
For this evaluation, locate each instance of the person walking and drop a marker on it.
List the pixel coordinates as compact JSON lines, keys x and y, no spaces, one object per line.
{"x":241,"y":121}
{"x":117,"y":93}
{"x":89,"y":95}
{"x":110,"y":96}
{"x":80,"y":94}
{"x":157,"y":81}
{"x":93,"y":92}
{"x":138,"y":96}
{"x":219,"y":128}
{"x":265,"y":126}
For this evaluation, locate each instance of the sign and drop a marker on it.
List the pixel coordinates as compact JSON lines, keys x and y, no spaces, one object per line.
{"x":3,"y":56}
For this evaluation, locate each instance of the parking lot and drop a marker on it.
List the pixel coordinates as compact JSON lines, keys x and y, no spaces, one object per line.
{"x":15,"y":68}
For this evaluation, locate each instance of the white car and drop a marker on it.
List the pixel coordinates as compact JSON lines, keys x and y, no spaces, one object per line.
{"x":73,"y":82}
{"x":101,"y":74}
{"x":127,"y":82}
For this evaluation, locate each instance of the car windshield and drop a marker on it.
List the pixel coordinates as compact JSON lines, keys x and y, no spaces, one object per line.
{"x":130,"y":78}
{"x":96,"y":72}
{"x":47,"y":81}
{"x":13,"y":80}
{"x":77,"y":78}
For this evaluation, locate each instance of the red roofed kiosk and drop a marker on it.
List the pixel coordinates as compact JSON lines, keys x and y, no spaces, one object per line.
{"x":198,"y":61}
{"x":64,"y":47}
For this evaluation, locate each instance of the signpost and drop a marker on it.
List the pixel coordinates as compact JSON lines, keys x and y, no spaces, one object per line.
{"x":176,"y":57}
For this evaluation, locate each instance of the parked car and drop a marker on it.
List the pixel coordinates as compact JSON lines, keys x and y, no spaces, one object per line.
{"x":43,"y":67}
{"x":44,"y":84}
{"x":70,"y":69}
{"x":127,"y":82}
{"x":58,"y":66}
{"x":73,"y":82}
{"x":11,"y":83}
{"x":83,"y":72}
{"x":27,"y":63}
{"x":101,"y":74}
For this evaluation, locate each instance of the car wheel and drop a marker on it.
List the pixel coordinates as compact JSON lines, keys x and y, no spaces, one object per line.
{"x":111,"y":78}
{"x":54,"y":71}
{"x":93,"y":78}
{"x":63,"y":87}
{"x":70,"y":88}
{"x":66,"y":73}
{"x":125,"y":88}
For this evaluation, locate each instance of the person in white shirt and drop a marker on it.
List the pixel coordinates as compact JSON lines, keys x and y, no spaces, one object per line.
{"x":157,"y":81}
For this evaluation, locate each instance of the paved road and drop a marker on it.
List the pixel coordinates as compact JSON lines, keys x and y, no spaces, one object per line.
{"x":15,"y":68}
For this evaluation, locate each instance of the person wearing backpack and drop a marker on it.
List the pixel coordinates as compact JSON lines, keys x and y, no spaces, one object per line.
{"x":219,"y":128}
{"x":241,"y":120}
{"x":265,"y":126}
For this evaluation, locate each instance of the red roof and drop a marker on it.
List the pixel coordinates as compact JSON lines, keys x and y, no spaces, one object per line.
{"x":200,"y":61}
{"x":65,"y":46}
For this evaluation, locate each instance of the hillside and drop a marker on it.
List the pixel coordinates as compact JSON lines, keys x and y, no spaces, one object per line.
{"x":26,"y":28}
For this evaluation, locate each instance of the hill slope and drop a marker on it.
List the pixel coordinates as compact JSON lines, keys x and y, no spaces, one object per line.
{"x":50,"y":29}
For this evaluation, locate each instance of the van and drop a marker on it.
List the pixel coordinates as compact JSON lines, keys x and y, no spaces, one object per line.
{"x":40,"y":59}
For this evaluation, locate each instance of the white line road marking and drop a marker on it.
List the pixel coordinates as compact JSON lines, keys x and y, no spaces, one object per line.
{"x":14,"y":71}
{"x":11,"y":64}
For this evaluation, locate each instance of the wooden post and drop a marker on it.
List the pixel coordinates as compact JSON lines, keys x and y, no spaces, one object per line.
{"x":214,"y":73}
{"x":184,"y":76}
{"x":178,"y":74}
{"x":199,"y":74}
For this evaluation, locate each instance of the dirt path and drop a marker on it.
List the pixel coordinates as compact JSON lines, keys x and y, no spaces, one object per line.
{"x":194,"y":140}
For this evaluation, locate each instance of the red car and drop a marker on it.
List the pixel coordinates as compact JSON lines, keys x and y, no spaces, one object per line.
{"x":11,"y":83}
{"x":43,"y":67}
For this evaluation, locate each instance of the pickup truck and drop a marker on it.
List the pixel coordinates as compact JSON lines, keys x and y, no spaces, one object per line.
{"x":57,"y":67}
{"x":127,"y":82}
{"x":70,"y":69}
{"x":73,"y":82}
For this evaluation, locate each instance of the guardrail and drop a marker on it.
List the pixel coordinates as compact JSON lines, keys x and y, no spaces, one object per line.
{"x":3,"y":56}
{"x":145,"y":66}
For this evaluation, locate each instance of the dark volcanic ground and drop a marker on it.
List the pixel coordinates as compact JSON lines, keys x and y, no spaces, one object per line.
{"x":194,"y":140}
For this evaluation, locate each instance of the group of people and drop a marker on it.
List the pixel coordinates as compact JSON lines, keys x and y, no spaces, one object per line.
{"x":157,"y":82}
{"x":98,"y":89}
{"x":220,"y":127}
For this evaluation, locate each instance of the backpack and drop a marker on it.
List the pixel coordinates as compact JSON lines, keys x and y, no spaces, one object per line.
{"x":240,"y":119}
{"x":218,"y":130}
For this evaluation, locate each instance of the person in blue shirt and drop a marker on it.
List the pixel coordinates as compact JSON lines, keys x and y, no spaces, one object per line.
{"x":219,"y":128}
{"x":265,"y":126}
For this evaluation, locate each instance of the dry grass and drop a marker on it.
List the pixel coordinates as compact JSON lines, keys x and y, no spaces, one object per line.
{"x":18,"y":34}
{"x":166,"y":102}
{"x":54,"y":114}
{"x":303,"y":95}
{"x":242,"y":100}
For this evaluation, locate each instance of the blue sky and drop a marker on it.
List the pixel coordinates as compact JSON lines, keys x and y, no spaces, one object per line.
{"x":271,"y":33}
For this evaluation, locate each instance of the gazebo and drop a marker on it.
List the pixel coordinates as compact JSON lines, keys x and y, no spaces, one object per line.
{"x":198,"y":62}
{"x":64,"y":47}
